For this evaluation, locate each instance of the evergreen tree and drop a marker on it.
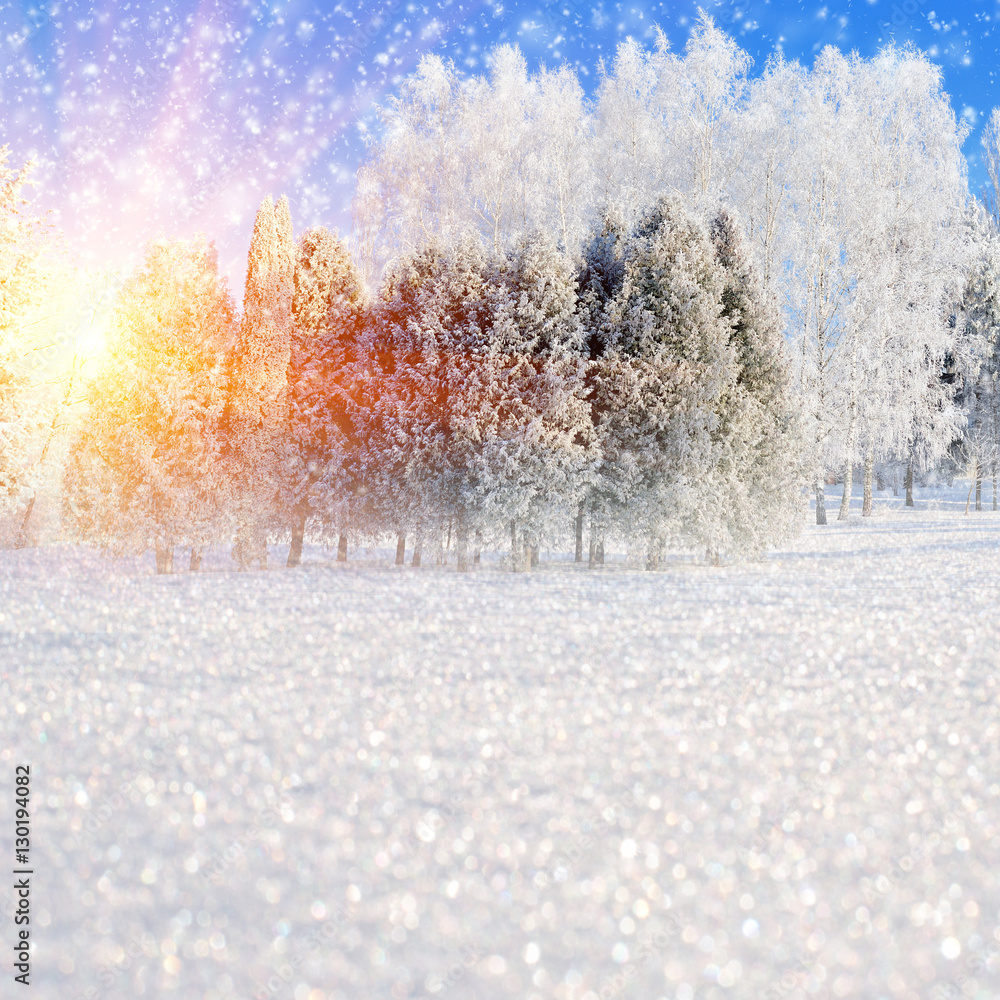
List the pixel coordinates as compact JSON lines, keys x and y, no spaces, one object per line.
{"x":426,"y":392}
{"x":477,"y":412}
{"x":144,"y":470}
{"x":258,"y":410}
{"x":756,"y":494}
{"x":664,"y":368}
{"x":328,"y":309}
{"x":538,"y":447}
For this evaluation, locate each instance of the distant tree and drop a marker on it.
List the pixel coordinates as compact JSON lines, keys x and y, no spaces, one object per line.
{"x":977,"y":357}
{"x":144,"y":470}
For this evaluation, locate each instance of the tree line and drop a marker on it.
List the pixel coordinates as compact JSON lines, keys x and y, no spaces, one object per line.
{"x":651,"y":315}
{"x":499,"y":400}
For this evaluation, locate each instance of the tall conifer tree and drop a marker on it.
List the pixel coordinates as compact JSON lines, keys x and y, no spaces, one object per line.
{"x":259,"y":384}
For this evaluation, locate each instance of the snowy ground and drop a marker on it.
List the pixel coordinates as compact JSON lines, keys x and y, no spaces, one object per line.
{"x":357,"y":782}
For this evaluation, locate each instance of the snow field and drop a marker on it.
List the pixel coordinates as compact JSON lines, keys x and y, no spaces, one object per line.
{"x":349,"y":782}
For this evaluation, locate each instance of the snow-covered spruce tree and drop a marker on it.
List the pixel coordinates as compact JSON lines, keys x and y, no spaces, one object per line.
{"x":664,"y":368}
{"x":756,"y":486}
{"x":328,"y":310}
{"x":21,"y":280}
{"x":601,"y":276}
{"x":257,"y":415}
{"x":144,"y":470}
{"x":476,"y":413}
{"x":424,"y":391}
{"x":537,"y":446}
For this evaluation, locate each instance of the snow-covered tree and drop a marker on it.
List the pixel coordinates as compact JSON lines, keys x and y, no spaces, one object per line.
{"x":328,"y":309}
{"x":537,"y":448}
{"x":424,"y":394}
{"x":663,"y":368}
{"x":257,"y":415}
{"x":906,"y":248}
{"x":144,"y":471}
{"x":497,"y":157}
{"x":759,"y":472}
{"x":477,"y":421}
{"x":977,"y":355}
{"x":21,"y":283}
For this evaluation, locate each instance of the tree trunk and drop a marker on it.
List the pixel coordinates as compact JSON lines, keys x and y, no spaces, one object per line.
{"x":479,"y":548}
{"x":578,"y":553}
{"x":262,"y":554}
{"x":600,"y":552}
{"x":22,"y":540}
{"x":979,"y":491}
{"x":994,"y":487}
{"x":534,"y":556}
{"x":240,"y":552}
{"x":592,"y":557}
{"x":820,"y":502}
{"x":298,"y":534}
{"x":197,"y":554}
{"x":516,"y":557}
{"x":164,"y":557}
{"x":866,"y":505}
{"x":415,"y":561}
{"x":401,"y":549}
{"x":462,"y":544}
{"x":342,"y":548}
{"x":845,"y":500}
{"x":909,"y":483}
{"x":879,"y":481}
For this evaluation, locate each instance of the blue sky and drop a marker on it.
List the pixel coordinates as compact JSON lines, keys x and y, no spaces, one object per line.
{"x":168,"y":119}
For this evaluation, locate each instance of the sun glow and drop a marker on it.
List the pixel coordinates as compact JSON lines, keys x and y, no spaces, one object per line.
{"x":91,"y":341}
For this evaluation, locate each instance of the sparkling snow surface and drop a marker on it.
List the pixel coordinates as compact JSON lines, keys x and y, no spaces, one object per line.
{"x":360,"y":782}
